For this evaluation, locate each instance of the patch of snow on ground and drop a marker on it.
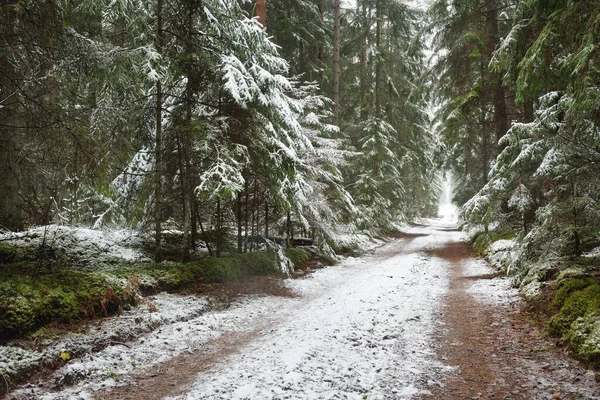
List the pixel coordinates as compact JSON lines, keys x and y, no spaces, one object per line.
{"x":500,"y":254}
{"x":82,"y":243}
{"x":496,"y":290}
{"x":349,"y":238}
{"x":593,"y":253}
{"x":531,"y":290}
{"x":501,"y":245}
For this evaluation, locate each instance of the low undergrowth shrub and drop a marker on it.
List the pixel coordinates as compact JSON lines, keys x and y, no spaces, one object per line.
{"x":297,"y":255}
{"x":483,"y":240}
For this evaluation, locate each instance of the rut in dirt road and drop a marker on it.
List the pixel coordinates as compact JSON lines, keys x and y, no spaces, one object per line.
{"x":496,"y":352}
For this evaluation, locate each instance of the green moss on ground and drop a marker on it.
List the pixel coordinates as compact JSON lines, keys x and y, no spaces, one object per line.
{"x":31,"y":297}
{"x":304,"y":258}
{"x":483,"y":240}
{"x":584,"y":338}
{"x":10,"y":253}
{"x":297,"y":255}
{"x":568,"y":287}
{"x":174,"y":275}
{"x":577,"y":322}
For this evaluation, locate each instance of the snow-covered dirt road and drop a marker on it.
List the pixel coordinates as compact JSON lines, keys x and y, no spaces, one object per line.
{"x":360,"y":329}
{"x":420,"y":317}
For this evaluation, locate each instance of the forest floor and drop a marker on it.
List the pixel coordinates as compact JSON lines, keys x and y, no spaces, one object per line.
{"x":419,"y":318}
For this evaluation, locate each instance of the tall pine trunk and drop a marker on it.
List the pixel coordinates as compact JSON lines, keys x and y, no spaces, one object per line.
{"x":185,"y":251}
{"x":498,"y":94}
{"x":158,"y":141}
{"x":321,"y":6}
{"x":363,"y":62}
{"x":10,"y":204}
{"x":187,"y":168}
{"x":528,"y":111}
{"x":378,"y":16}
{"x":261,"y":12}
{"x":266,"y":219}
{"x":239,"y":222}
{"x":337,"y":15}
{"x":485,"y":156}
{"x":246,"y":202}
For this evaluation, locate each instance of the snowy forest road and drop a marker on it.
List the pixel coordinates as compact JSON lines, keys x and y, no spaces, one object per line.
{"x":361,"y":329}
{"x":419,"y":318}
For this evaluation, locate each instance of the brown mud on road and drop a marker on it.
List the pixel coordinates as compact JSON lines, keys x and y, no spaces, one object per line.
{"x":497,"y":352}
{"x":169,"y":378}
{"x":172,"y":377}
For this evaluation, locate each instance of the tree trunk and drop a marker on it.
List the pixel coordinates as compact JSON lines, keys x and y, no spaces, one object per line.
{"x":261,"y":12}
{"x":246,"y":217}
{"x":497,"y":90}
{"x":158,"y":141}
{"x":499,"y":97}
{"x":500,"y":113}
{"x":485,"y":156}
{"x":255,"y":217}
{"x":266,"y":219}
{"x":185,"y":250}
{"x":337,"y":15}
{"x":363,"y":63}
{"x":10,"y":202}
{"x":576,"y":237}
{"x":238,"y":215}
{"x":288,"y":230}
{"x":206,"y":239}
{"x":218,"y":233}
{"x":187,"y":169}
{"x":528,"y":111}
{"x":378,"y":16}
{"x":321,"y":6}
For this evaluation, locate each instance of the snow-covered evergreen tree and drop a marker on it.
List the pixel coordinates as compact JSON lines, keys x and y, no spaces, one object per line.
{"x":544,"y":183}
{"x":383,"y":114}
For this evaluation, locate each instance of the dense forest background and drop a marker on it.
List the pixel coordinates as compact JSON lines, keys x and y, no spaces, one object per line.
{"x":519,"y":115}
{"x":314,"y":116}
{"x":191,"y":115}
